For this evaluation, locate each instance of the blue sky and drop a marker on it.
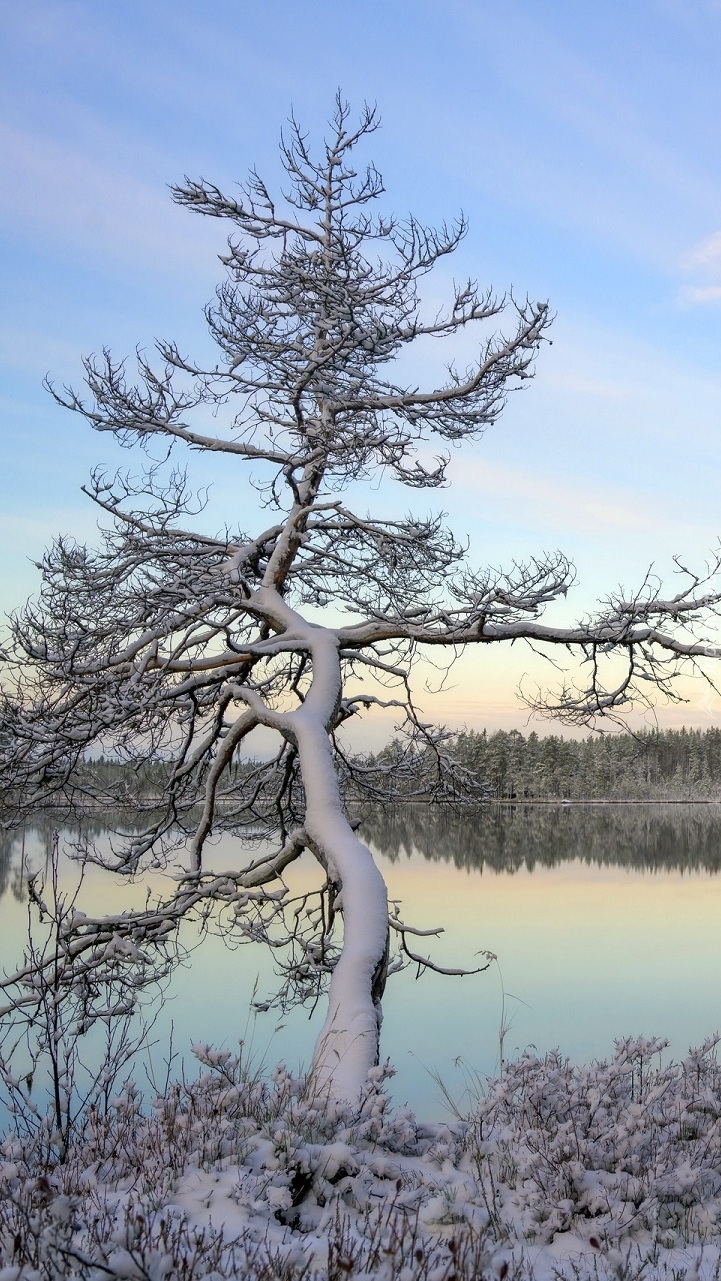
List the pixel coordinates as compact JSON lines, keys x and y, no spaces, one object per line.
{"x":582,"y":141}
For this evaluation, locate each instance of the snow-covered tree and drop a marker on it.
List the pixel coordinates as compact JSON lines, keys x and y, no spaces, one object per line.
{"x":169,"y":644}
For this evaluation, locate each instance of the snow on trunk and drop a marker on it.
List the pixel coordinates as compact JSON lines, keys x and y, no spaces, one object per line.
{"x":347,"y":1046}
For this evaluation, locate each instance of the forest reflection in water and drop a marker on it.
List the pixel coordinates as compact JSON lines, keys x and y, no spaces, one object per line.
{"x":644,"y":837}
{"x":605,"y":920}
{"x":506,"y":838}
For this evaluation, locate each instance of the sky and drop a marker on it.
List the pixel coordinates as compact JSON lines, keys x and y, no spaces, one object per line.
{"x":582,"y":143}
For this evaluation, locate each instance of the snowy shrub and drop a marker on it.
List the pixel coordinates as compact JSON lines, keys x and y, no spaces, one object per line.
{"x":608,"y":1171}
{"x":627,"y":1146}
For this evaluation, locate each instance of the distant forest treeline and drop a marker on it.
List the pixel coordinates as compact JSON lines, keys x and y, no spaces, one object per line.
{"x":659,"y":765}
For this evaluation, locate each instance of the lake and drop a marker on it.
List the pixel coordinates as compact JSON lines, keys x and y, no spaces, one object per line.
{"x":606,"y":921}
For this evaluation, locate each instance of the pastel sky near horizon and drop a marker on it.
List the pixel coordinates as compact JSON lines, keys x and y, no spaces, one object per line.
{"x":582,"y":142}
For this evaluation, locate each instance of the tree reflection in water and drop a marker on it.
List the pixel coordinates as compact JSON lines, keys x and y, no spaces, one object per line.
{"x":506,"y":838}
{"x":36,"y":840}
{"x":503,"y":838}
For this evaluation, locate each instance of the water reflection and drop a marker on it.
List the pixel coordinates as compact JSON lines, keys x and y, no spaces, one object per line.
{"x":605,"y":920}
{"x":12,"y":865}
{"x":502,"y":838}
{"x":25,"y":851}
{"x":507,"y":838}
{"x":20,"y":847}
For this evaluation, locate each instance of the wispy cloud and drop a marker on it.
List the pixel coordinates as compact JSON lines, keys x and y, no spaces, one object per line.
{"x":703,"y":261}
{"x":706,"y":254}
{"x":75,"y":196}
{"x":34,"y":351}
{"x":592,"y":156}
{"x":552,"y":502}
{"x":701,"y":294}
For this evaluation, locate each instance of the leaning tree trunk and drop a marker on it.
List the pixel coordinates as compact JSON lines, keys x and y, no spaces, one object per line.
{"x":347,"y":1046}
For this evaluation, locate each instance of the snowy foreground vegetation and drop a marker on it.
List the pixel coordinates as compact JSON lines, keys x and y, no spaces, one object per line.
{"x":559,"y":1171}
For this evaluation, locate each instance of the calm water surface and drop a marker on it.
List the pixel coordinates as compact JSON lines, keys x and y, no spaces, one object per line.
{"x":606,"y":921}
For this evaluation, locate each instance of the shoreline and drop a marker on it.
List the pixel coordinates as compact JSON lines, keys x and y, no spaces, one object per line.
{"x":554,"y":802}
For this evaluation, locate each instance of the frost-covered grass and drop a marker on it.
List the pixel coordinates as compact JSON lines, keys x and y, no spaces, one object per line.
{"x":612,"y":1170}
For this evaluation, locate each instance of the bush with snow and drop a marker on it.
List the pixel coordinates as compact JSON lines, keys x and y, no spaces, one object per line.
{"x":609,"y":1170}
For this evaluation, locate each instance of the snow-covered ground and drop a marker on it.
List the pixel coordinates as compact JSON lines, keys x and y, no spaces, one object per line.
{"x":612,"y":1170}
